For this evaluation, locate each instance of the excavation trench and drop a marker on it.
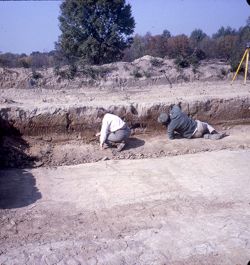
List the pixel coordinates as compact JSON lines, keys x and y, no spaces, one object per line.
{"x":64,"y":136}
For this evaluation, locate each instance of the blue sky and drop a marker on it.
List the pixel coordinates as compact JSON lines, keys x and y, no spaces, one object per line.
{"x":27,"y":26}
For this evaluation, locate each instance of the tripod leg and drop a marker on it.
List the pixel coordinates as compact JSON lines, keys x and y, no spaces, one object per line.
{"x":242,"y":59}
{"x":246,"y":66}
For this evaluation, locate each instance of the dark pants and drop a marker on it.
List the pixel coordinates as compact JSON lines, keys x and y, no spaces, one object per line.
{"x":120,"y":135}
{"x":202,"y":128}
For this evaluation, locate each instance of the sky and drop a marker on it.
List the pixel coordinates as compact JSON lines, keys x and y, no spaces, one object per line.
{"x":27,"y":26}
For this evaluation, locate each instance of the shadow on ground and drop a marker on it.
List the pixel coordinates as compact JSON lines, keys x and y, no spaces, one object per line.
{"x":17,"y":186}
{"x":17,"y":189}
{"x":13,"y":148}
{"x":134,"y":143}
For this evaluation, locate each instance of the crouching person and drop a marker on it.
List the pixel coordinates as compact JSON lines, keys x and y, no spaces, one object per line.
{"x":179,"y":124}
{"x":114,"y":131}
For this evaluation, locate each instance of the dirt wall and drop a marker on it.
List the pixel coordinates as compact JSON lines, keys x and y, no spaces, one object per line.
{"x":83,"y":123}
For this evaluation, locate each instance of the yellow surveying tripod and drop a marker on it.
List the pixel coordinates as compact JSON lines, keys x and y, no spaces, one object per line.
{"x":246,"y":54}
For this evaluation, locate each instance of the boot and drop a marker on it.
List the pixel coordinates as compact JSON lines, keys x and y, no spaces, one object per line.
{"x":214,"y":136}
{"x":120,"y":146}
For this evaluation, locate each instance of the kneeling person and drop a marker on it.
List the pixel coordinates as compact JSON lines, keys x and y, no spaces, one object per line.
{"x":113,"y":130}
{"x":178,"y":123}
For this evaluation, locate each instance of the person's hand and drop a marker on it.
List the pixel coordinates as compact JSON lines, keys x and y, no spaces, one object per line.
{"x":98,"y":134}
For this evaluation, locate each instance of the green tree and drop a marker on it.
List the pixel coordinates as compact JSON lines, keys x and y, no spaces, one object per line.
{"x":166,"y":34}
{"x":208,"y":45}
{"x":225,"y":46}
{"x":94,"y":31}
{"x":197,"y":36}
{"x":243,"y":39}
{"x":222,"y":32}
{"x":248,"y":22}
{"x":136,"y":50}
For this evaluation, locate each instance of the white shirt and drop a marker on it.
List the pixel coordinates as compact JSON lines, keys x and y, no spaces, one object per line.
{"x":110,"y":123}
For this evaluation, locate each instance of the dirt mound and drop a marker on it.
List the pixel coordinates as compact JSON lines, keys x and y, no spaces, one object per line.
{"x":144,"y":71}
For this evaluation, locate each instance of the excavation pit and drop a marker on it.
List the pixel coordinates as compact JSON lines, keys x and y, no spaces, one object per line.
{"x":43,"y":127}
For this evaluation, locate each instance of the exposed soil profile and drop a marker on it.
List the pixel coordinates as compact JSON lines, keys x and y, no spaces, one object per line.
{"x":43,"y":151}
{"x":58,"y":127}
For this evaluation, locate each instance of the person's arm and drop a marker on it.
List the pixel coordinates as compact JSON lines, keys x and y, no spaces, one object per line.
{"x":104,"y":132}
{"x":171,"y":132}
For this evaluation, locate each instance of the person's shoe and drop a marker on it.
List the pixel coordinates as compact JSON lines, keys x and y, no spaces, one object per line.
{"x":214,"y":136}
{"x":120,"y":147}
{"x":206,"y":136}
{"x":106,"y":145}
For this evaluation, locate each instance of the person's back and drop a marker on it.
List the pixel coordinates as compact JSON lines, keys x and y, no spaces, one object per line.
{"x":113,"y":130}
{"x":180,"y":123}
{"x":112,"y":122}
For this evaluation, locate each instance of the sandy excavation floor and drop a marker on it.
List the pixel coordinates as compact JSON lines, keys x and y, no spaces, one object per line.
{"x":187,"y":209}
{"x":139,"y":146}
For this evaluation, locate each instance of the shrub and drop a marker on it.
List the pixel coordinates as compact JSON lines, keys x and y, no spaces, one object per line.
{"x":147,"y":74}
{"x":136,"y":73}
{"x":96,"y":72}
{"x":223,"y":71}
{"x":36,"y":75}
{"x":181,"y":62}
{"x":156,"y":62}
{"x":235,"y":59}
{"x":68,"y":73}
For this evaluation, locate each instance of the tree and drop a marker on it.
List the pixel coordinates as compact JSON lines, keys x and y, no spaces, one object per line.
{"x":178,"y":46}
{"x":39,"y":60}
{"x":208,"y":45}
{"x":225,"y":46}
{"x":8,"y":60}
{"x":166,"y":34}
{"x":136,"y":50}
{"x":196,"y":37}
{"x":244,"y":36}
{"x":222,"y":32}
{"x":243,"y":39}
{"x":248,"y":22}
{"x":94,"y":31}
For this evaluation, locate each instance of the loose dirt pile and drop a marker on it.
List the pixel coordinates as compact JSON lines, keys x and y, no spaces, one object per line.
{"x":145,"y":71}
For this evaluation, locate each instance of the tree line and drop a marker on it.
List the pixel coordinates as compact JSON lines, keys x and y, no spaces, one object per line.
{"x":226,"y":44}
{"x":95,"y":32}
